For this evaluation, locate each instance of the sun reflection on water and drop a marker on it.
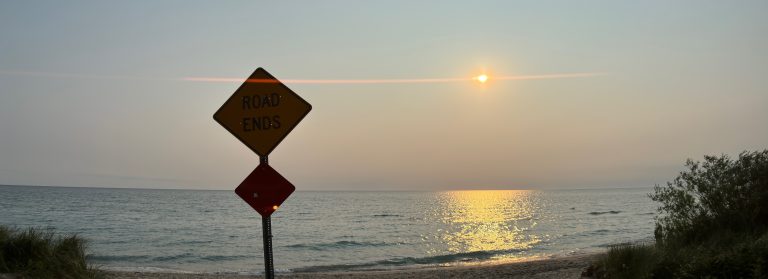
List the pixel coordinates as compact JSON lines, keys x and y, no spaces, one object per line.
{"x":487,"y":220}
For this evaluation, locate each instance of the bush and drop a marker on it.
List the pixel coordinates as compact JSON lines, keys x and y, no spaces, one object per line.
{"x":35,"y":253}
{"x":713,"y":223}
{"x":714,"y":201}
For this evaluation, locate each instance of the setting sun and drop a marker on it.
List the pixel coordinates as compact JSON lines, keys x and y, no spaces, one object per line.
{"x":482,"y":78}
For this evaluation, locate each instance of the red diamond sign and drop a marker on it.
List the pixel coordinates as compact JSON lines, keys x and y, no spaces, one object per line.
{"x":265,"y":190}
{"x":262,"y":112}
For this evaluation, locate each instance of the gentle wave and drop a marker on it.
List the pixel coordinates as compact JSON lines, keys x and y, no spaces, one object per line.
{"x":146,"y":269}
{"x":338,"y":245}
{"x":411,"y":261}
{"x":186,"y":257}
{"x":117,"y":258}
{"x":196,"y":241}
{"x":592,"y":233}
{"x":604,"y":212}
{"x":173,"y":257}
{"x":387,"y":215}
{"x":215,"y":258}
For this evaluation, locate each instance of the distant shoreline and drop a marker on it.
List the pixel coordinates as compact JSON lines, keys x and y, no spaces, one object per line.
{"x":556,"y":268}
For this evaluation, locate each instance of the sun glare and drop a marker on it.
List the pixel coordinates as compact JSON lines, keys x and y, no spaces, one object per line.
{"x":482,"y":78}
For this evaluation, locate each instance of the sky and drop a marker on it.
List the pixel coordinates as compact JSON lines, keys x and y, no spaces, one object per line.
{"x":101,"y":93}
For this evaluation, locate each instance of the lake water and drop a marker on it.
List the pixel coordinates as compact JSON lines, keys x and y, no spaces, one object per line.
{"x":215,"y":231}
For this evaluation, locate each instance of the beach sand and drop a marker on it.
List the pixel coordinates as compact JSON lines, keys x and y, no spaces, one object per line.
{"x":556,"y":268}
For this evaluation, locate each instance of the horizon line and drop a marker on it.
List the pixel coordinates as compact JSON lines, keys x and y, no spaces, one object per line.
{"x":336,"y":190}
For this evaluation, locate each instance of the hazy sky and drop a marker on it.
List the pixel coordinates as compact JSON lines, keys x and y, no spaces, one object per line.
{"x":92,"y":93}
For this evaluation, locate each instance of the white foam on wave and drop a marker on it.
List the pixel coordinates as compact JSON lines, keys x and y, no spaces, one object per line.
{"x":145,"y":269}
{"x":153,"y":269}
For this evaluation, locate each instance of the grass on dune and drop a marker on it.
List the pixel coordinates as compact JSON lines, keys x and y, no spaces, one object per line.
{"x":642,"y":259}
{"x":38,"y":253}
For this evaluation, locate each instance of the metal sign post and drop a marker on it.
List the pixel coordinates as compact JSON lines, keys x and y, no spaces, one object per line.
{"x":266,"y":229}
{"x":269,"y":268}
{"x":260,"y":114}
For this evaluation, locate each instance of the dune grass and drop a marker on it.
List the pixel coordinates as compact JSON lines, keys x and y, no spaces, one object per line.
{"x":38,"y":253}
{"x":628,"y":261}
{"x":742,"y":257}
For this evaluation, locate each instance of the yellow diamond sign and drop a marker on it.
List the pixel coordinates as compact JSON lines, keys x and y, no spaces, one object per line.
{"x":262,"y":112}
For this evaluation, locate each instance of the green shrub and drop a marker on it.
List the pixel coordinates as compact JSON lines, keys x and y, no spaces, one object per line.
{"x":36,"y":253}
{"x":714,"y":201}
{"x":713,"y":223}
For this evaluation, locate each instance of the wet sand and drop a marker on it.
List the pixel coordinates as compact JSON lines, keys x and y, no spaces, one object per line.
{"x":556,"y":268}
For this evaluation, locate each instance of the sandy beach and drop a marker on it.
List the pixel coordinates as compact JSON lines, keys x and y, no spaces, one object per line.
{"x":557,"y":268}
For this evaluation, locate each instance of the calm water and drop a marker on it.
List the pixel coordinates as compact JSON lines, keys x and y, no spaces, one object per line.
{"x":215,"y":231}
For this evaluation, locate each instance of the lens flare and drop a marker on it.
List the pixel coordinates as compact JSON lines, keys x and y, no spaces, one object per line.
{"x":482,"y":78}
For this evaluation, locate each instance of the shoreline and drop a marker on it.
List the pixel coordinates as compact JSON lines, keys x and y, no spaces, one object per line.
{"x":563,"y":267}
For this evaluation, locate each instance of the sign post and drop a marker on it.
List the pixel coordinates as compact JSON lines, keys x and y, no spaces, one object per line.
{"x":266,"y":230}
{"x":260,"y":114}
